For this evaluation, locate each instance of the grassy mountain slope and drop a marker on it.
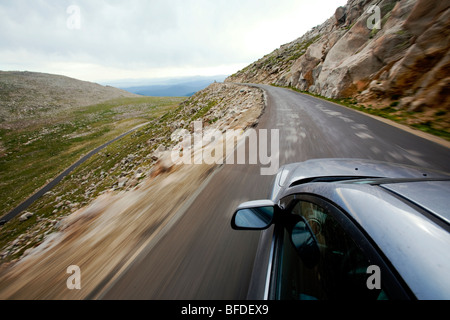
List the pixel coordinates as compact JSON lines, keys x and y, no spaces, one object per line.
{"x":28,"y":95}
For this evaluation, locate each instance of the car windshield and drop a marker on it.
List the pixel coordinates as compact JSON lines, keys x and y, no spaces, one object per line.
{"x":330,"y":179}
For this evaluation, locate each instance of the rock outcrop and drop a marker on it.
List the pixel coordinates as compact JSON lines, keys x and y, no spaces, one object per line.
{"x":378,"y":52}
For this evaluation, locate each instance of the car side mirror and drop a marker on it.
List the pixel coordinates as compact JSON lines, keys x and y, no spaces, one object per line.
{"x":253,"y":215}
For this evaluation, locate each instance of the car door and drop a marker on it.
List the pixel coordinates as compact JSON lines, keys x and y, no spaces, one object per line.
{"x":322,"y":254}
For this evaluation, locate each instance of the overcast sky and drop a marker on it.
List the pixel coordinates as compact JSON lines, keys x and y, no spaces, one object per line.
{"x":101,"y":40}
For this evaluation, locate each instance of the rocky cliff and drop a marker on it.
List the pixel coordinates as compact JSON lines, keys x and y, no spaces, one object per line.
{"x":378,"y":52}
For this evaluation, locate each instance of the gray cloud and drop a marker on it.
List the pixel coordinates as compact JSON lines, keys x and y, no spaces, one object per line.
{"x":147,"y":34}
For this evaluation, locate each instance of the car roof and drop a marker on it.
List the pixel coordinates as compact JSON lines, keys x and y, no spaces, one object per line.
{"x":416,"y":244}
{"x":433,"y":196}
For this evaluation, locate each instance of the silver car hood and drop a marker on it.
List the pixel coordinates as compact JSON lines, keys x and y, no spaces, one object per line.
{"x":351,"y":167}
{"x":347,"y":167}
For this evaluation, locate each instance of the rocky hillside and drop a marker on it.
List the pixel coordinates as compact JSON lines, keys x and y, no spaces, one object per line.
{"x":118,"y":201}
{"x":403,"y":64}
{"x":26,"y":94}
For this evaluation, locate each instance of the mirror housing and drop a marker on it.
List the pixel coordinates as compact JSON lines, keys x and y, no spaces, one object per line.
{"x":254,"y":215}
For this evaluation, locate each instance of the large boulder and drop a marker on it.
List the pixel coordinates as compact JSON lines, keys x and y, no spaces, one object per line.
{"x":406,"y":61}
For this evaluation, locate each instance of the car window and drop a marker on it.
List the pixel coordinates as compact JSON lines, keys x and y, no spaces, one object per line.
{"x":320,"y":261}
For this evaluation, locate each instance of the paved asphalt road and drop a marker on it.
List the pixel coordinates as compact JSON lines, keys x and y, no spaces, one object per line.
{"x":201,"y":257}
{"x":49,"y":186}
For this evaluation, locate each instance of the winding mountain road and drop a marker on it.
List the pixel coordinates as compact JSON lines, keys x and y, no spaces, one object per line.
{"x":200,"y":256}
{"x":49,"y":186}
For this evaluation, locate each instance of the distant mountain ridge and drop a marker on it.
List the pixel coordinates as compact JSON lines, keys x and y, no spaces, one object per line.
{"x":165,"y":90}
{"x":181,"y":87}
